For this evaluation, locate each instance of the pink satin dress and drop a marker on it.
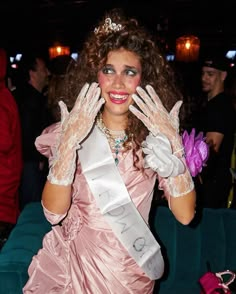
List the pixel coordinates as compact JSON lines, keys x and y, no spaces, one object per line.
{"x":83,"y":255}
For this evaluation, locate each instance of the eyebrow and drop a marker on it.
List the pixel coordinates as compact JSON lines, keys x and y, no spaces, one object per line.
{"x":131,"y":67}
{"x":209,"y":70}
{"x":126,"y":66}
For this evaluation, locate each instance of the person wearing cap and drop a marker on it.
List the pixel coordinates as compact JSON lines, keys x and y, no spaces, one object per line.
{"x":218,"y":124}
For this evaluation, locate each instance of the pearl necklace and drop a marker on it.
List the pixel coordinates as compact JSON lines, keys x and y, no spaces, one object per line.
{"x":116,"y":139}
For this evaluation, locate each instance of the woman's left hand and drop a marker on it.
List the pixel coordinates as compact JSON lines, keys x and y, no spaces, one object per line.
{"x":155,"y":116}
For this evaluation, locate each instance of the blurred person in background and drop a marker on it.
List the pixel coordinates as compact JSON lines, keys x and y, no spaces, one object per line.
{"x":10,"y":154}
{"x":32,"y":81}
{"x":230,"y":89}
{"x":217,"y":120}
{"x":60,"y":67}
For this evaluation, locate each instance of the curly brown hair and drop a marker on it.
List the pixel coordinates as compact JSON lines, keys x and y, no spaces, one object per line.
{"x":156,"y":71}
{"x":60,"y":68}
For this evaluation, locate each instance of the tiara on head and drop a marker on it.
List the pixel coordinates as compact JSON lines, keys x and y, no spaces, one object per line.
{"x":108,"y":27}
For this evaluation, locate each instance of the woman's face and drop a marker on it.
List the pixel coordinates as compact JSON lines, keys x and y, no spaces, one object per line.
{"x":118,"y":80}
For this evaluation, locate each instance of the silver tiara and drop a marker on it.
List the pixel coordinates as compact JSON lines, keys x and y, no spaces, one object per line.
{"x":108,"y":27}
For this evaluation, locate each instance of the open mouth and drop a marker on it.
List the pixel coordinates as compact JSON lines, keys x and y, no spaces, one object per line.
{"x":118,"y":98}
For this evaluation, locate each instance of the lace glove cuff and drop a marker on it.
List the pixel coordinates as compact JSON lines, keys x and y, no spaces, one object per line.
{"x":177,"y":186}
{"x":63,"y":166}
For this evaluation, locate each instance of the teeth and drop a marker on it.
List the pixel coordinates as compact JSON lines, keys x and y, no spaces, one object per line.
{"x":118,"y":97}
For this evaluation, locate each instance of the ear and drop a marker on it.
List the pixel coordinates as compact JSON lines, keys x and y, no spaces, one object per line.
{"x":33,"y":77}
{"x":224,"y":75}
{"x":31,"y":73}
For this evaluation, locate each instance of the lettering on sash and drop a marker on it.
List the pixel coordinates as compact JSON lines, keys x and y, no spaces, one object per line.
{"x":115,"y":204}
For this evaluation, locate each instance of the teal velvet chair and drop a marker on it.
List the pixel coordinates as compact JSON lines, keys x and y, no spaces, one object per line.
{"x":23,"y":242}
{"x":211,"y":239}
{"x":186,"y":249}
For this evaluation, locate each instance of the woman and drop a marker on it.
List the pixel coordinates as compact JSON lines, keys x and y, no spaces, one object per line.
{"x":100,"y":183}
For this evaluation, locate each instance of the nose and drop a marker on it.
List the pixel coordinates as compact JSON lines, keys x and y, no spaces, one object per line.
{"x":203,"y":77}
{"x":118,"y":81}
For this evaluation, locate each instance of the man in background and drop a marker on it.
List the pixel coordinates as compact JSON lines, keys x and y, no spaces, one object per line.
{"x":218,"y":124}
{"x":32,"y":81}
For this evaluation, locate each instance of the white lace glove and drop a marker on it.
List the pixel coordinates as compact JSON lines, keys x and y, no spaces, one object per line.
{"x":156,"y":118}
{"x":158,"y":121}
{"x":75,"y":126}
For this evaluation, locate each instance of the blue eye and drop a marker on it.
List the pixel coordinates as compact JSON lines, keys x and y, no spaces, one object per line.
{"x":128,"y":71}
{"x":131,"y":72}
{"x":107,"y":70}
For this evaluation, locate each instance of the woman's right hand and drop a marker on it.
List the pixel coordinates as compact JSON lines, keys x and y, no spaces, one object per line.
{"x":76,"y":125}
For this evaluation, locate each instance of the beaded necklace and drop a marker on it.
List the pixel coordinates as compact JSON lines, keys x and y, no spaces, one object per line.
{"x":116,"y":139}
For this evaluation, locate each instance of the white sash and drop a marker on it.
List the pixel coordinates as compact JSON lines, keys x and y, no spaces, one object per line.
{"x":114,"y":201}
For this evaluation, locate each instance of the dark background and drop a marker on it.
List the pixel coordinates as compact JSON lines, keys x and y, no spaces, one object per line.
{"x":40,"y":24}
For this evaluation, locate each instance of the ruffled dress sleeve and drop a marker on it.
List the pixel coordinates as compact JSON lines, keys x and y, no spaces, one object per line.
{"x":46,"y":144}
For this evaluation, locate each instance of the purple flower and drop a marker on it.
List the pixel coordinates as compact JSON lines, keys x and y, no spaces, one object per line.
{"x":196,"y":151}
